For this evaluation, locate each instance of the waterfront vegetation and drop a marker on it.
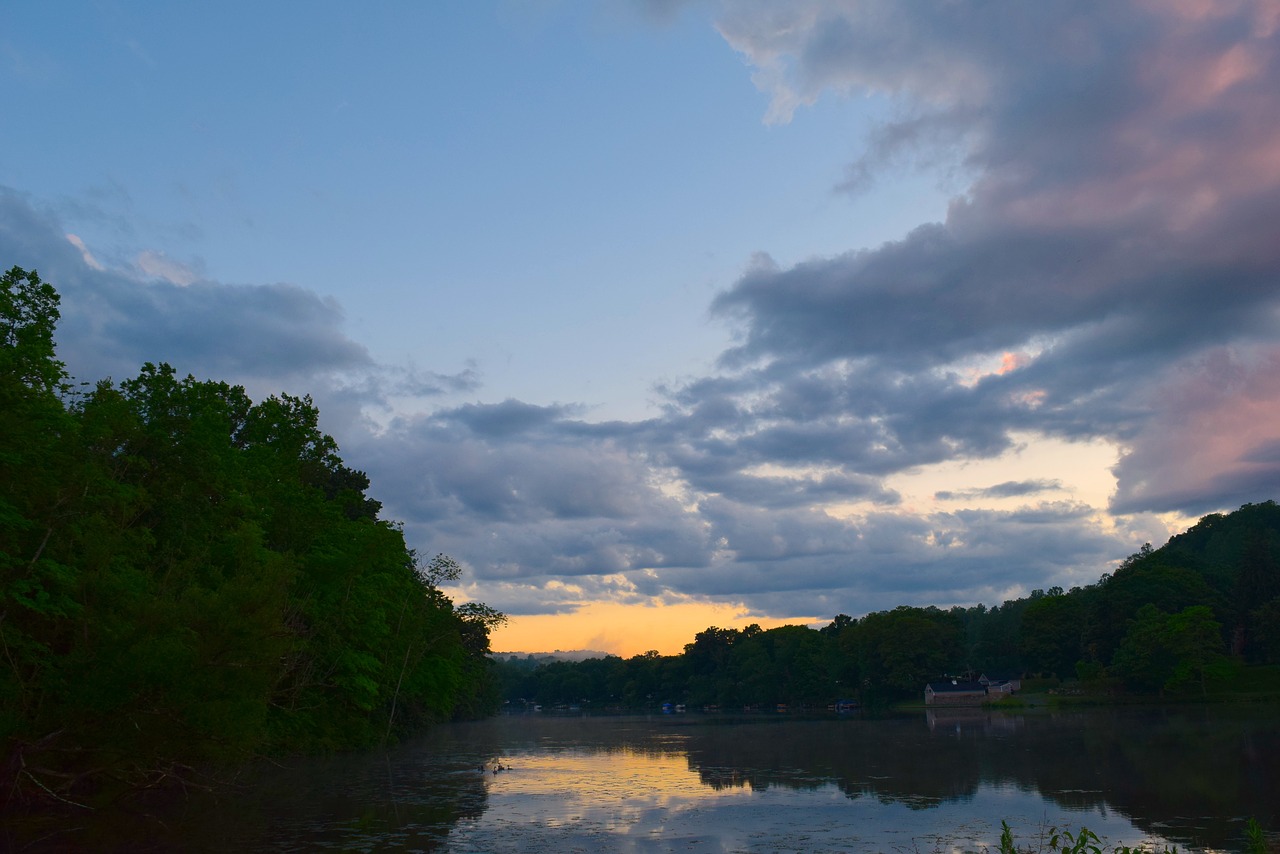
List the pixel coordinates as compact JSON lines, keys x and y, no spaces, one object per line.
{"x":1085,"y":841}
{"x":1195,"y":620}
{"x":188,"y":576}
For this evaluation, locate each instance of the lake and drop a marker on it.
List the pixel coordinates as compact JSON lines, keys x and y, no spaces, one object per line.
{"x":924,"y":782}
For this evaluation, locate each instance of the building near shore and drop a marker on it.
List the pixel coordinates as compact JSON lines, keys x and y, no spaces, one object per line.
{"x":954,"y":692}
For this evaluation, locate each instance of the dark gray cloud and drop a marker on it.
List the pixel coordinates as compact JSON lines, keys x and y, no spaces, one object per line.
{"x":509,"y":418}
{"x":1116,"y":228}
{"x":1008,"y":489}
{"x":558,"y":502}
{"x":526,"y":494}
{"x":113,"y":322}
{"x":414,"y":382}
{"x":797,"y":566}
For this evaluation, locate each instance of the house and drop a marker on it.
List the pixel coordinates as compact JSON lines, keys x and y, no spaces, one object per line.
{"x":1001,"y":683}
{"x":954,"y":692}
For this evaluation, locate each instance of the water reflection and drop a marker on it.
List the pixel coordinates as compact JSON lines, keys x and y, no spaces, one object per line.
{"x":1187,"y":775}
{"x":935,"y":782}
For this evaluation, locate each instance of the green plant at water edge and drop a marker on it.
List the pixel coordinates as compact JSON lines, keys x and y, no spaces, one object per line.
{"x":1255,"y":839}
{"x":1006,"y":839}
{"x":1087,"y":842}
{"x":1084,"y":842}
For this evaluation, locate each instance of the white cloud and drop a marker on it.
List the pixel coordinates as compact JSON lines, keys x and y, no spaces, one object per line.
{"x":75,"y":241}
{"x":157,"y":265}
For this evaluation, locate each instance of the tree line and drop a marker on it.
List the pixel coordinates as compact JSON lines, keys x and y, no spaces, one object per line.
{"x":1202,"y":611}
{"x":187,"y":575}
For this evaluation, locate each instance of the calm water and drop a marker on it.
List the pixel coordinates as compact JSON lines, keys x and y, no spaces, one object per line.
{"x":921,"y":783}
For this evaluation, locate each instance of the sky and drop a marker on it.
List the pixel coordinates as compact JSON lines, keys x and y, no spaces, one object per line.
{"x":658,"y":315}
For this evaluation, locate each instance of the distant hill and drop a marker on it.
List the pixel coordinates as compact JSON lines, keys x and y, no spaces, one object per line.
{"x":542,"y":657}
{"x":1199,"y":615}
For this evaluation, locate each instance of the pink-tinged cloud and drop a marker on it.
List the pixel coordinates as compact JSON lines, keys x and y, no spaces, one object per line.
{"x":1010,"y":362}
{"x":1125,"y":188}
{"x":1213,"y":441}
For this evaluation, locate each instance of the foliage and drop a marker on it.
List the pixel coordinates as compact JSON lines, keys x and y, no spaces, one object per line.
{"x":1163,"y":651}
{"x":1086,"y":841}
{"x":1050,"y":637}
{"x":187,"y":575}
{"x":1167,"y":620}
{"x":28,"y":315}
{"x":1255,"y":838}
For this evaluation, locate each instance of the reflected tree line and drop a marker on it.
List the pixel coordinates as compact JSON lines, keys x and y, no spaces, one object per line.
{"x":1200,"y":614}
{"x":1191,"y":776}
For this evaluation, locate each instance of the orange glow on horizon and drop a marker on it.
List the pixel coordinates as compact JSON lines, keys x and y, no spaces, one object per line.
{"x":627,"y":630}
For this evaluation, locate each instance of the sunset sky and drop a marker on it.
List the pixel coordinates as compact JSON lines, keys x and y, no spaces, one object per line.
{"x":661,"y":315}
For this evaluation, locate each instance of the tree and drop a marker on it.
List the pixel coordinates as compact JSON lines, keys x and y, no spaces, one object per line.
{"x":186,"y":575}
{"x":1196,"y":639}
{"x":838,"y":624}
{"x":39,"y":497}
{"x":1164,"y":651}
{"x":1144,"y":659}
{"x":1147,"y":578}
{"x":904,"y":648}
{"x":28,"y":316}
{"x":1267,"y":636}
{"x":1257,"y":581}
{"x":710,"y":662}
{"x":997,"y":636}
{"x":1050,"y":636}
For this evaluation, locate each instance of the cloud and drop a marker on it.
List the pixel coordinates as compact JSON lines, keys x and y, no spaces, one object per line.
{"x":524,"y":492}
{"x":1124,"y":174}
{"x":158,"y":265}
{"x":796,"y":566}
{"x":662,"y":11}
{"x":1109,"y":274}
{"x":84,"y":252}
{"x":537,"y":500}
{"x":113,"y":320}
{"x":1008,"y":489}
{"x":1212,"y":442}
{"x":547,"y":510}
{"x":509,"y":418}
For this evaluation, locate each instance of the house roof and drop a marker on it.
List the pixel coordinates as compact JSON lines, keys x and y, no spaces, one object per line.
{"x":955,"y":686}
{"x":1000,"y":676}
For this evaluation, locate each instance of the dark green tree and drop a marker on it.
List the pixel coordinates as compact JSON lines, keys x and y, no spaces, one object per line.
{"x":186,"y":575}
{"x":902,"y":649}
{"x":1163,"y":651}
{"x":1051,"y":634}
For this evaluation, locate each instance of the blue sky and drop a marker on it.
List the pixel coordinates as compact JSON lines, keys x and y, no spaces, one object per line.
{"x":680,"y":312}
{"x":562,"y":166}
